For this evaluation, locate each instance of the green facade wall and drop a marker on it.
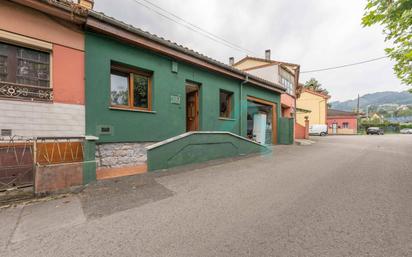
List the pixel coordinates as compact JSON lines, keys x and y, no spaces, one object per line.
{"x":198,"y":147}
{"x":167,"y":119}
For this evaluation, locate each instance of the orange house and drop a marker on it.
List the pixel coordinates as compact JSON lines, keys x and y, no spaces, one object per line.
{"x":41,"y":69}
{"x":42,"y":94}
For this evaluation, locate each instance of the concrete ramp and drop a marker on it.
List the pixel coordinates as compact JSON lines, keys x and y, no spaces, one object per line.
{"x":201,"y":146}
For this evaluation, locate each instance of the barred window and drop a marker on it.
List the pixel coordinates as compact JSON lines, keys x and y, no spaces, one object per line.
{"x":24,"y":66}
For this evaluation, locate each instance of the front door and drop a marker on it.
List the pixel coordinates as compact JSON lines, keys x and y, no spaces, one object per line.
{"x":192,"y":108}
{"x":334,"y":128}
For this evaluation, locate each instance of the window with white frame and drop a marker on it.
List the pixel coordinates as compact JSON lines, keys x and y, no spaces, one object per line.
{"x":286,"y":79}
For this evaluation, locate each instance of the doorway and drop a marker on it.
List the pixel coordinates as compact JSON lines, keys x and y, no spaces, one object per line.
{"x":261,"y":121}
{"x":192,"y":107}
{"x":334,"y":128}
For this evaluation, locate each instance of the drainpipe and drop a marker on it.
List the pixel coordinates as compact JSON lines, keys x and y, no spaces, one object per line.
{"x":240,"y":103}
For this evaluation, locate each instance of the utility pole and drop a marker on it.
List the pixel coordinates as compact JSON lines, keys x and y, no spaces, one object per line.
{"x":358,"y":121}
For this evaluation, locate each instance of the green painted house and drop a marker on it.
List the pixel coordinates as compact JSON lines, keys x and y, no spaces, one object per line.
{"x":148,"y":100}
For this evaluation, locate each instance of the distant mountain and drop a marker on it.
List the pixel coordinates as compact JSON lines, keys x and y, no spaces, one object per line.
{"x":375,"y":99}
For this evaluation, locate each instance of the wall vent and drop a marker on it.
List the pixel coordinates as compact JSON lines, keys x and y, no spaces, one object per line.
{"x":104,"y":130}
{"x":6,"y":132}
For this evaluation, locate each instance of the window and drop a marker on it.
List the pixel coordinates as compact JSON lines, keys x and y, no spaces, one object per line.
{"x":345,"y":125}
{"x":286,"y":79}
{"x":225,"y":104}
{"x":130,"y":88}
{"x":24,"y":66}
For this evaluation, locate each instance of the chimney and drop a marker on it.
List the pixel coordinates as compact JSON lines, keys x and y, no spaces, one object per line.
{"x":87,"y":4}
{"x":231,"y":61}
{"x":267,"y":55}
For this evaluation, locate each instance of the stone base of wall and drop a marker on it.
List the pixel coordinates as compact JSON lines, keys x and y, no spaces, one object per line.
{"x":121,"y":155}
{"x":55,"y":178}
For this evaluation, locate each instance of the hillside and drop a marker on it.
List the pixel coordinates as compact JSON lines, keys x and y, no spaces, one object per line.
{"x":375,"y":99}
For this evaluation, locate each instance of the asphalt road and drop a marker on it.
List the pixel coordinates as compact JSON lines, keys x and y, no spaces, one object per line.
{"x":343,"y":196}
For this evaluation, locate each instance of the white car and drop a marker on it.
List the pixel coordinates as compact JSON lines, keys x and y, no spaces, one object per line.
{"x":318,"y":130}
{"x":406,"y":131}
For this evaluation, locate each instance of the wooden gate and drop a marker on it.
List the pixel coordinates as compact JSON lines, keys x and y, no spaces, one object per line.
{"x":286,"y":131}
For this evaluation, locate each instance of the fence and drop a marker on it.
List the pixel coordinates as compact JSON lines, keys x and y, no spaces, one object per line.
{"x":21,"y":158}
{"x":55,"y":150}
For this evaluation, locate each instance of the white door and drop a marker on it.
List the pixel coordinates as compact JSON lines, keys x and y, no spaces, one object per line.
{"x":334,"y":128}
{"x":259,"y":127}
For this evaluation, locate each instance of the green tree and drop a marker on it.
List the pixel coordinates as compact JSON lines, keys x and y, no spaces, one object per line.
{"x":396,"y":18}
{"x":314,"y":85}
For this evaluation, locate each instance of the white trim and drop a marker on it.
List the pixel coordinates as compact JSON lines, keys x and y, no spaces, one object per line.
{"x":25,"y":41}
{"x":187,"y":134}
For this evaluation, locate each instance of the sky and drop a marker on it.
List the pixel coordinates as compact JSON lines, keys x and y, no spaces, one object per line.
{"x":313,"y":33}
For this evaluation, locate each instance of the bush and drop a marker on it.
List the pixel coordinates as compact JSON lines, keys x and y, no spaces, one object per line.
{"x":404,"y":126}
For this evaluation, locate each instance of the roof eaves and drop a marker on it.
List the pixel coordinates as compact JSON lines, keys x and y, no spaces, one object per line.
{"x":304,"y":89}
{"x":252,"y":79}
{"x":65,"y":9}
{"x":337,"y":113}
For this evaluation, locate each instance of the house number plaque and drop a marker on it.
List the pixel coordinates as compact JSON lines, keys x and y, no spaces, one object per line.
{"x":175,"y":99}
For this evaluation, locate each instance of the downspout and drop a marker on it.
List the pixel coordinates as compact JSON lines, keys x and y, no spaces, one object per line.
{"x":240,"y":104}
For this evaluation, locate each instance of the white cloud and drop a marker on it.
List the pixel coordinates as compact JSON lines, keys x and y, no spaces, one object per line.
{"x":313,"y":33}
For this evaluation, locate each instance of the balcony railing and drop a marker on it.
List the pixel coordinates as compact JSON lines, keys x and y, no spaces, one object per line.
{"x":24,"y":92}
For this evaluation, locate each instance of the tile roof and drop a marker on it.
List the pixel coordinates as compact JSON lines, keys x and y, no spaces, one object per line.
{"x":333,"y":113}
{"x":264,"y":60}
{"x":71,"y":6}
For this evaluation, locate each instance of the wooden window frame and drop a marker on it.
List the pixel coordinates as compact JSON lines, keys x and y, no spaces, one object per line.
{"x":229,"y":104}
{"x":129,"y":71}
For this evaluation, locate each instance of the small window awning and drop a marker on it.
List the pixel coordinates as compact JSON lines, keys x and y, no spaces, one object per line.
{"x":300,"y":110}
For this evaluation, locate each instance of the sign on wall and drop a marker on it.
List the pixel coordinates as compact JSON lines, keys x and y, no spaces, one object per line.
{"x":175,"y":99}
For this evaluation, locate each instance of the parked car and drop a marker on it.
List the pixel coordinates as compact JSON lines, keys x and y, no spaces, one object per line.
{"x":374,"y":131}
{"x":318,"y":130}
{"x":406,"y":131}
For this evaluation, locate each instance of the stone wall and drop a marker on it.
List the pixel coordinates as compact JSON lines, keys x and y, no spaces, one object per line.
{"x":121,"y":155}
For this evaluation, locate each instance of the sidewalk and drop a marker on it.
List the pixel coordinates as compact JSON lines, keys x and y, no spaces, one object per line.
{"x":304,"y":142}
{"x":103,"y":198}
{"x":32,"y":219}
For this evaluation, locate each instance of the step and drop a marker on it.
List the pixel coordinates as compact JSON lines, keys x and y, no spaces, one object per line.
{"x":110,"y":173}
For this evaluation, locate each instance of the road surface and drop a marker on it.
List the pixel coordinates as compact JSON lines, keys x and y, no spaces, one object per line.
{"x":342,"y":196}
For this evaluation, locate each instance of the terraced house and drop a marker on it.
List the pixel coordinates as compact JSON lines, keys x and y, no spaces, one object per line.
{"x":142,"y":90}
{"x":42,"y":95}
{"x":88,"y":97}
{"x":287,"y":75}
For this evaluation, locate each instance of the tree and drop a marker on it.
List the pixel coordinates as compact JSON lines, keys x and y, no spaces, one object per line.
{"x":315,"y":86}
{"x":396,"y":18}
